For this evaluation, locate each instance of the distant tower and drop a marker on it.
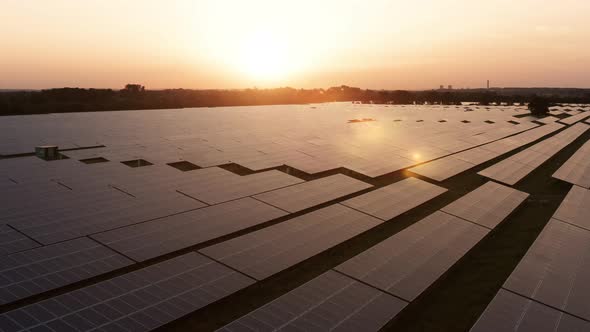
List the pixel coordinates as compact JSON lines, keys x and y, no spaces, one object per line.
{"x":488,"y":84}
{"x":450,"y":87}
{"x":442,"y":87}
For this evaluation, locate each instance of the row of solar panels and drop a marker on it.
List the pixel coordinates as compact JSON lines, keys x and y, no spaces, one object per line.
{"x":513,"y":169}
{"x":370,"y":289}
{"x":137,"y":128}
{"x":452,"y":165}
{"x":577,"y":169}
{"x":68,"y":261}
{"x":169,"y":290}
{"x":306,"y":194}
{"x":548,"y":290}
{"x":289,"y":154}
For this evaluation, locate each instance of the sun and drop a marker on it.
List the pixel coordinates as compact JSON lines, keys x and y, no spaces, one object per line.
{"x":264,"y":56}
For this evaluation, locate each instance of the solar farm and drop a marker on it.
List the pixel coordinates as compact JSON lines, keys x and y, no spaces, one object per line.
{"x":337,"y":216}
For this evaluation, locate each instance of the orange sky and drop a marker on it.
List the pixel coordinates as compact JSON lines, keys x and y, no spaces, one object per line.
{"x":387,"y":44}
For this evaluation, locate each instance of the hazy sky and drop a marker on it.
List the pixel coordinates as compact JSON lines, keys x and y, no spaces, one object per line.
{"x":385,"y":44}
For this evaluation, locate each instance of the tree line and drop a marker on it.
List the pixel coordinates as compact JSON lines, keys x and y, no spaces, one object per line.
{"x":136,"y":97}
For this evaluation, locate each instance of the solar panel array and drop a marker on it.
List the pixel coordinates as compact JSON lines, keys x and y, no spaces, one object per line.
{"x":305,"y":195}
{"x":229,"y":186}
{"x":452,"y":165}
{"x":555,"y":271}
{"x":138,"y":301}
{"x":410,"y":261}
{"x":330,"y":302}
{"x":512,"y":312}
{"x":41,"y":269}
{"x":268,"y":251}
{"x":256,"y":136}
{"x":390,"y":201}
{"x":577,"y":169}
{"x":75,"y":221}
{"x":575,"y":208}
{"x":575,"y":118}
{"x":384,"y":278}
{"x":13,"y":241}
{"x":548,"y":289}
{"x":162,"y":236}
{"x":513,"y":169}
{"x":488,"y":205}
{"x":151,"y":186}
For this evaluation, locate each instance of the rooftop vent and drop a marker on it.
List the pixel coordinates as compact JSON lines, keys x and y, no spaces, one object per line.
{"x":47,"y":152}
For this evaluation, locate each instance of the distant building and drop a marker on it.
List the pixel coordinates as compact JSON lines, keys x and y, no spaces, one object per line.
{"x":450,"y":87}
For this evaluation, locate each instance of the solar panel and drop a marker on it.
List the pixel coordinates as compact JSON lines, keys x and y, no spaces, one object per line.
{"x":145,"y":212}
{"x":424,"y":152}
{"x":377,"y":166}
{"x":556,"y":269}
{"x":536,"y":133}
{"x":329,"y":302}
{"x":161,"y":236}
{"x":239,"y":186}
{"x":391,"y":201}
{"x":138,"y":301}
{"x":13,"y":241}
{"x":274,"y":159}
{"x":575,"y":208}
{"x":577,"y":169}
{"x":265,"y":252}
{"x":301,"y":196}
{"x":507,"y":171}
{"x":516,"y":167}
{"x":575,"y":118}
{"x":487,"y":205}
{"x":408,"y":262}
{"x":442,"y":169}
{"x":93,"y":218}
{"x":502,"y":146}
{"x":312,"y":165}
{"x":548,"y":119}
{"x":41,"y":269}
{"x":449,"y":166}
{"x":476,"y":156}
{"x":512,"y":312}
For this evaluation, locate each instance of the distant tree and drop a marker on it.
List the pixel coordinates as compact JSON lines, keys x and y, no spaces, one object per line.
{"x":135,"y":96}
{"x":485,"y":99}
{"x":134,"y":88}
{"x":402,"y":97}
{"x":539,"y":106}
